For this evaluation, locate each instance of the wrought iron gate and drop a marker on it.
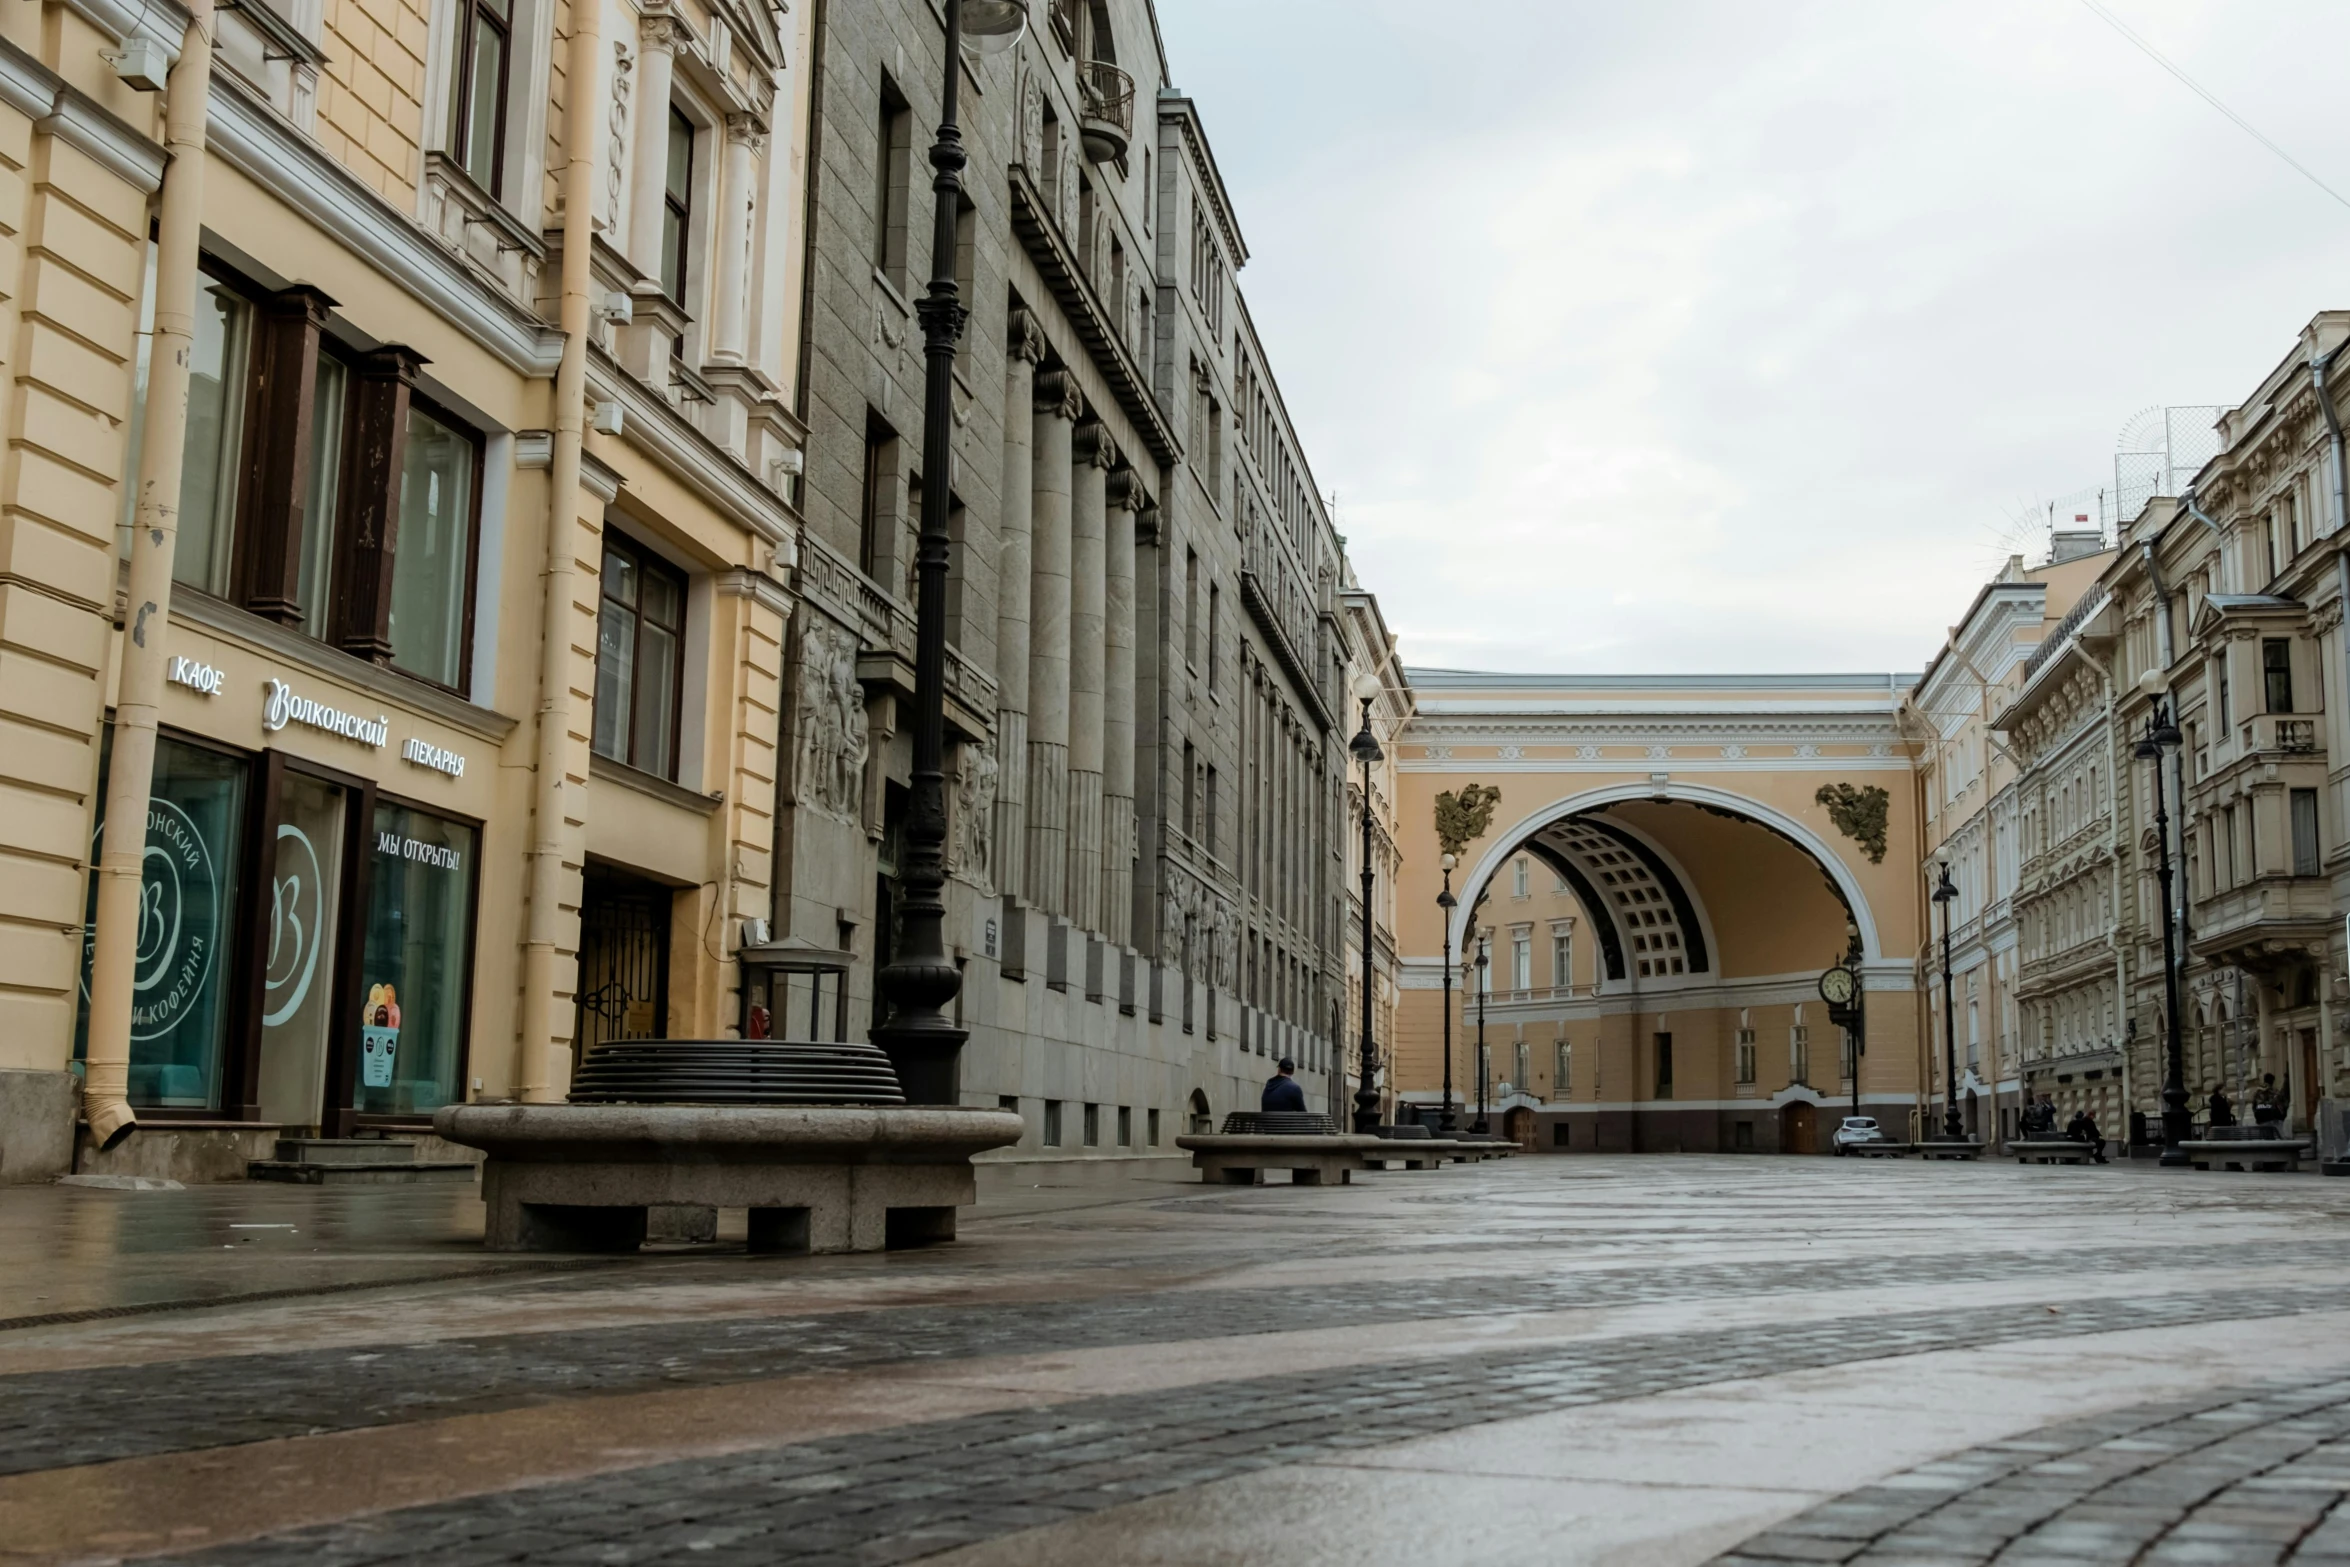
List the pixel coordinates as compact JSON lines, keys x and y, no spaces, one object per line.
{"x":623,"y":963}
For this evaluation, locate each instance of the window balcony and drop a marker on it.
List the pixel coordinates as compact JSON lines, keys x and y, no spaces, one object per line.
{"x":1106,"y":109}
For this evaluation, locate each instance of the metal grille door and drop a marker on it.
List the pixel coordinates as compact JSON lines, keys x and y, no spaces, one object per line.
{"x":623,"y":964}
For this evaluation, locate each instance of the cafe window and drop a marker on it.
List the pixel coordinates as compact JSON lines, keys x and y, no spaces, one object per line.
{"x":414,"y":971}
{"x":318,"y":491}
{"x":183,"y":981}
{"x":639,"y":672}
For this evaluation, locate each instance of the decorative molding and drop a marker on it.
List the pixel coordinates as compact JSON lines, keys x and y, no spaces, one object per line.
{"x":76,"y":119}
{"x":536,"y":449}
{"x":26,"y":85}
{"x":603,"y":769}
{"x":258,"y":143}
{"x":653,"y":427}
{"x":757,"y":586}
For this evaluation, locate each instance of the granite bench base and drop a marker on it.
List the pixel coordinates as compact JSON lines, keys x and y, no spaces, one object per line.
{"x":1242,"y":1159}
{"x":813,"y":1178}
{"x":2052,"y":1150}
{"x":1945,"y":1148}
{"x":2250,"y":1153}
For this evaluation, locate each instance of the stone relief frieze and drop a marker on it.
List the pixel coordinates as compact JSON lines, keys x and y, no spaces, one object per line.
{"x":833,"y":745}
{"x":974,"y":834}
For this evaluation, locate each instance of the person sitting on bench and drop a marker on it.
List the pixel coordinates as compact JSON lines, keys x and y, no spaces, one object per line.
{"x":1282,"y":1092}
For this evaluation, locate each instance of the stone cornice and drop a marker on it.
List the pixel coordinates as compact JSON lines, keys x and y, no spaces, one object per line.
{"x":258,"y":143}
{"x":650,"y":425}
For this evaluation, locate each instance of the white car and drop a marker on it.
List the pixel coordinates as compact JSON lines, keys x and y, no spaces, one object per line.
{"x":1856,"y":1129}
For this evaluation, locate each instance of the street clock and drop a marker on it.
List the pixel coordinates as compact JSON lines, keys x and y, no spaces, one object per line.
{"x":1838,"y":986}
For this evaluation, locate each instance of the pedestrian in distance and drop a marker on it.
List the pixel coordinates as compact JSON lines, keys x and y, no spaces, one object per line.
{"x":2268,"y":1101}
{"x":2223,"y":1110}
{"x":1282,"y":1091}
{"x":2091,"y":1135}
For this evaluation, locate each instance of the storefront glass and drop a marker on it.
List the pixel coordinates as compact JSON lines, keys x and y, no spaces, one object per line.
{"x":414,"y":978}
{"x":187,"y":905}
{"x":298,"y":944}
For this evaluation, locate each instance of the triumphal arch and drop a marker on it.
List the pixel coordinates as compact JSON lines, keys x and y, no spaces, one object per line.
{"x":1665,"y":867}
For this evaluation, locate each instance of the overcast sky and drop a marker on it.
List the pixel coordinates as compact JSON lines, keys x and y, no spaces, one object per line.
{"x":1741,"y":334}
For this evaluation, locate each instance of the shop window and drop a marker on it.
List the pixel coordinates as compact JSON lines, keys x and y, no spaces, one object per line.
{"x":318,"y":491}
{"x":639,"y":673}
{"x":477,"y":98}
{"x":414,"y":969}
{"x":182,"y":985}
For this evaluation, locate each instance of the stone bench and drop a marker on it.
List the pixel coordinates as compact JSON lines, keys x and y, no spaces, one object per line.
{"x":815,"y":1178}
{"x":1880,"y":1149}
{"x":1311,"y":1158}
{"x":2245,"y":1153}
{"x":1950,"y":1148}
{"x":2051,"y":1150}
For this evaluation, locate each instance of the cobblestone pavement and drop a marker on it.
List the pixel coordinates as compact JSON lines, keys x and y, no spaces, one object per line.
{"x":1547,"y":1360}
{"x":2237,"y":1480}
{"x":52,"y":1420}
{"x":898,"y":1495}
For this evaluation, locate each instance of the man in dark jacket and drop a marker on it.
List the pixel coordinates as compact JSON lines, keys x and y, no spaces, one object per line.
{"x":1283,"y":1092}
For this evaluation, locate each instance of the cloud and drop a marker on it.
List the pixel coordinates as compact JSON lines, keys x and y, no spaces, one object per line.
{"x":1723,"y":336}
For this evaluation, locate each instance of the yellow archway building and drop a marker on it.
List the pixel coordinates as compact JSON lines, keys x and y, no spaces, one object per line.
{"x":1671,"y":864}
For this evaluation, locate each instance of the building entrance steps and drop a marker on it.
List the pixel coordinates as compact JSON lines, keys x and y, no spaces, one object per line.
{"x":355,"y":1161}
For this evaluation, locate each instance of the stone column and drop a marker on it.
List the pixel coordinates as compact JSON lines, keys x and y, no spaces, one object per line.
{"x":659,"y":34}
{"x":1088,"y":589}
{"x":1012,"y":565}
{"x":1057,"y":408}
{"x":730,"y":307}
{"x":1125,"y":500}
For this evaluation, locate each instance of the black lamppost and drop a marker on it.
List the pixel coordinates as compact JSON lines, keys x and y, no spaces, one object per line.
{"x":2162,"y":736}
{"x":1365,"y":748}
{"x":920,"y":979}
{"x":1447,"y":902}
{"x":1953,"y":1129}
{"x":1482,"y":1125}
{"x":1856,"y":1027}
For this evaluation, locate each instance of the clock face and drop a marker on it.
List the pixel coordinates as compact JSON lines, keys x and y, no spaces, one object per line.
{"x":1836,"y":986}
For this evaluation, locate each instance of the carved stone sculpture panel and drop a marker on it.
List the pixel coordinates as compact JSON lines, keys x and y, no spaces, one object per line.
{"x":832,"y":742}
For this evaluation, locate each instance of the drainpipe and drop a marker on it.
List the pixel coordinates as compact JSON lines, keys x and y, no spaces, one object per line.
{"x":2219,"y":540}
{"x":583,"y":139}
{"x":147,"y":608}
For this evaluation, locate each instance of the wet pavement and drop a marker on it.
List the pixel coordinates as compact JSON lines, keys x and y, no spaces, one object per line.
{"x":1551,"y":1359}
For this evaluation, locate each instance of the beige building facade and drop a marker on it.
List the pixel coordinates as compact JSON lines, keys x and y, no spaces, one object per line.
{"x":462,"y":711}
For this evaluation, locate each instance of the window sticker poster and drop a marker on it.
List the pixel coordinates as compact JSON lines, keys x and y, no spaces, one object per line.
{"x":379,"y":1036}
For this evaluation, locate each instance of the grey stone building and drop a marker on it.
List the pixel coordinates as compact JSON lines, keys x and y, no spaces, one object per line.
{"x":1145,"y":707}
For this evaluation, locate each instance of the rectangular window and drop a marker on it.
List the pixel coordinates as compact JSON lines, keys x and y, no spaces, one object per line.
{"x":1664,"y":1066}
{"x":1799,"y":1054}
{"x":2276,"y":673}
{"x":893,"y":160}
{"x":1052,"y":1123}
{"x":188,"y":902}
{"x":1746,"y":1056}
{"x":1151,"y":1127}
{"x":1093,"y":1126}
{"x":873,"y":508}
{"x":216,"y":421}
{"x":1208,"y":836}
{"x":1562,"y":1078}
{"x":1522,"y":1078}
{"x":2222,"y":688}
{"x":1125,"y":1126}
{"x":1522,"y":960}
{"x":477,"y":98}
{"x":2307,"y":855}
{"x":1518,"y":881}
{"x":1190,"y":791}
{"x":1191,"y":608}
{"x":639,"y":672}
{"x":415,"y":964}
{"x":1215,"y":633}
{"x":677,"y":207}
{"x":329,"y":401}
{"x":1562,"y":955}
{"x":432,"y":566}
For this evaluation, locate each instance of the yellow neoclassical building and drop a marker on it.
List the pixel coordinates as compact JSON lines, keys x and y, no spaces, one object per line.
{"x":1669,"y":866}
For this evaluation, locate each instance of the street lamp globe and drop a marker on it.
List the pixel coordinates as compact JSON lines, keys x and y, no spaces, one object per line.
{"x":992,"y":26}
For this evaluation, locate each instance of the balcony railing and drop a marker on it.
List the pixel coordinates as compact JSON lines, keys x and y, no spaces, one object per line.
{"x":1106,"y":105}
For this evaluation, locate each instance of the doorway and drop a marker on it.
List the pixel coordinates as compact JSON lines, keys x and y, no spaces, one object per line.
{"x":1518,"y":1127}
{"x":623,"y":959}
{"x":1798,"y":1128}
